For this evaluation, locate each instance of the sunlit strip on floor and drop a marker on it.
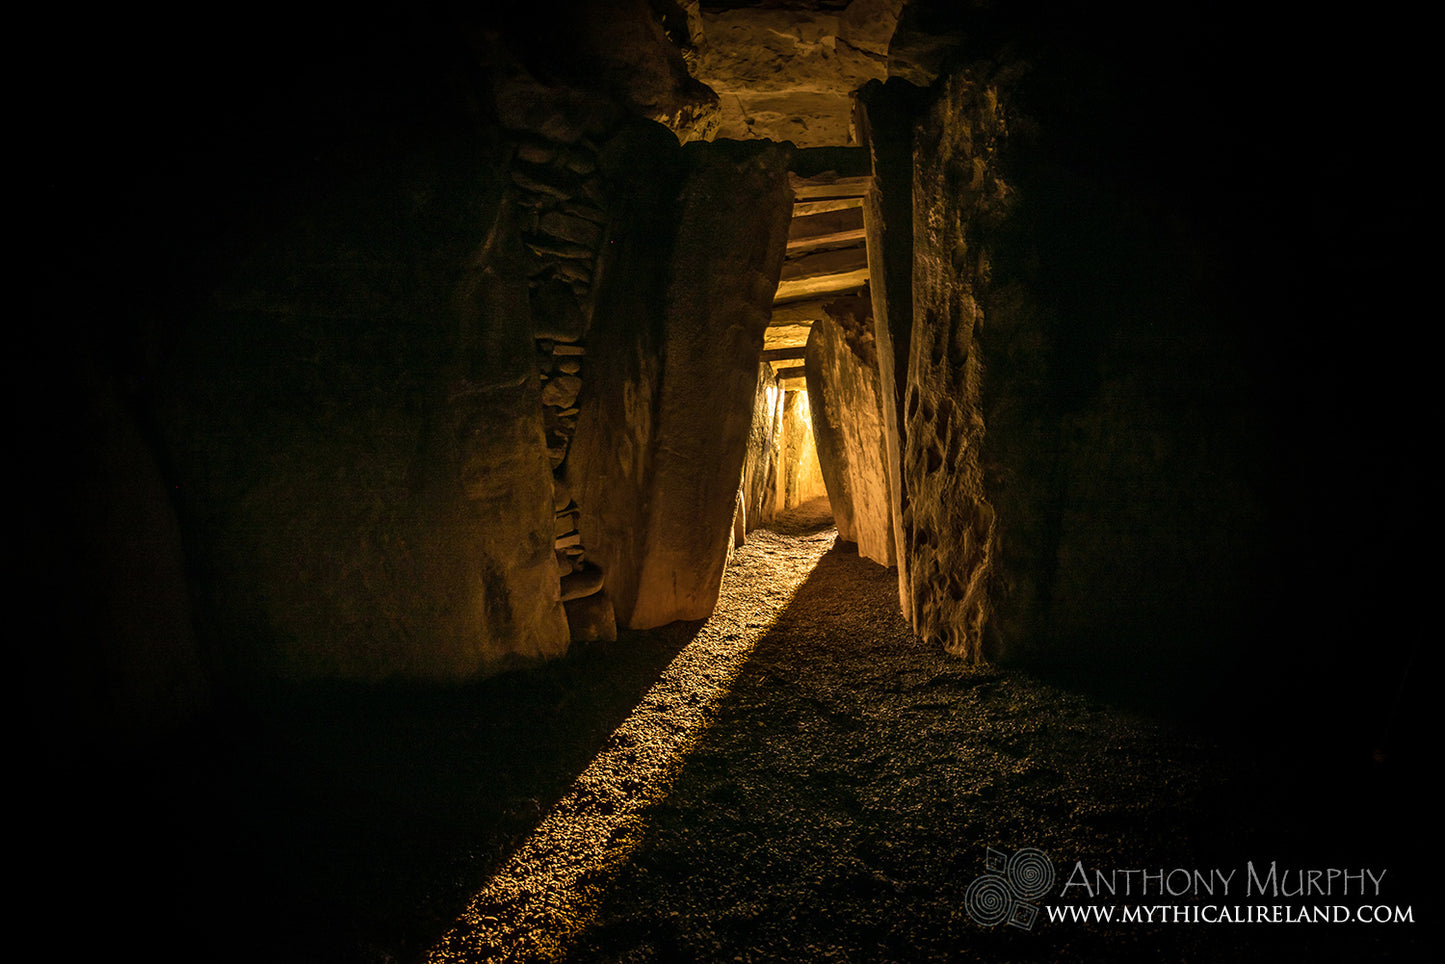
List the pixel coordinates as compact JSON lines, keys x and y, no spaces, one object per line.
{"x":545,"y":896}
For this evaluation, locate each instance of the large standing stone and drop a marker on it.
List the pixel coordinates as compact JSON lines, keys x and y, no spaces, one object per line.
{"x":885,"y":115}
{"x":1105,"y":512}
{"x":848,"y":429}
{"x":948,"y":521}
{"x":664,"y":424}
{"x":731,"y":240}
{"x":761,"y":465}
{"x":609,"y":464}
{"x":799,"y":477}
{"x":369,"y":477}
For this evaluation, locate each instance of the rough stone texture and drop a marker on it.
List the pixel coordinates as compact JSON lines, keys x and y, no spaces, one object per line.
{"x":848,"y":429}
{"x":508,"y":519}
{"x":610,"y":464}
{"x":591,"y":619}
{"x":789,"y":72}
{"x":1119,"y":451}
{"x":615,"y":47}
{"x":662,"y":437}
{"x":1075,"y":450}
{"x":581,"y":582}
{"x":948,"y":521}
{"x":885,"y":118}
{"x":375,"y":499}
{"x":341,"y":385}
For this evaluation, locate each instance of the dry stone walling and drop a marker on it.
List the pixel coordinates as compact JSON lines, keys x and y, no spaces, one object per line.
{"x":561,"y":192}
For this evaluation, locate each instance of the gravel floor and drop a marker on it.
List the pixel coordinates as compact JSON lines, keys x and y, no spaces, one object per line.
{"x":795,"y":779}
{"x":828,"y":788}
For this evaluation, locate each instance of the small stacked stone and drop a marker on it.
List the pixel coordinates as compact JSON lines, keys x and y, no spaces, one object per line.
{"x":563,"y":224}
{"x":563,"y":220}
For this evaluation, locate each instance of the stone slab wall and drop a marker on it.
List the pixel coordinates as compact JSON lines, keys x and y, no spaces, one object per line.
{"x":609,"y":467}
{"x":666,"y":433}
{"x":885,"y":114}
{"x":760,"y":469}
{"x":1075,"y":458}
{"x":948,"y":519}
{"x":800,"y":475}
{"x":365,"y":465}
{"x":848,"y":428}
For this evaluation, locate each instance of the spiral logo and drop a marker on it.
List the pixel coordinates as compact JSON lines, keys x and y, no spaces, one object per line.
{"x":1002,"y":895}
{"x":1030,"y":873}
{"x":989,"y":900}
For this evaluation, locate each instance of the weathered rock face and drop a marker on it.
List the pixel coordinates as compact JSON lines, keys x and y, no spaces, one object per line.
{"x":1072,"y":467}
{"x":847,"y":418}
{"x":564,"y":209}
{"x":1117,"y":455}
{"x":760,"y":468}
{"x":788,"y":72}
{"x":948,"y":521}
{"x":724,"y":271}
{"x":610,"y":464}
{"x":674,"y":469}
{"x":886,"y":113}
{"x":372,"y":499}
{"x":620,"y":49}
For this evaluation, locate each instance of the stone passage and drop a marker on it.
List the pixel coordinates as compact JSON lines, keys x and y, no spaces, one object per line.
{"x":537,"y":904}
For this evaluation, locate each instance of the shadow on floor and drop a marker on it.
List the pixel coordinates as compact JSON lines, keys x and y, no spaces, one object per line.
{"x":336,"y":824}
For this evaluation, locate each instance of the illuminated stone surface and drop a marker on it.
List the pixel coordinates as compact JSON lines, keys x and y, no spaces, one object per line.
{"x":662,"y":442}
{"x":725,"y":264}
{"x":848,"y":428}
{"x":789,"y":72}
{"x":948,"y":522}
{"x":759,"y":488}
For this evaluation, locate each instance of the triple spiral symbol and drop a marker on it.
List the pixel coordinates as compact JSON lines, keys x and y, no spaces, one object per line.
{"x":1002,"y":894}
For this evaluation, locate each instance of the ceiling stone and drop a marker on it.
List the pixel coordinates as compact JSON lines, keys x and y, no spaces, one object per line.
{"x":788,"y":71}
{"x":781,"y":70}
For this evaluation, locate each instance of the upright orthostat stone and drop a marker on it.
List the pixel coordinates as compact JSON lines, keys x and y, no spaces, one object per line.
{"x":373,"y":473}
{"x":948,"y":520}
{"x":849,"y":434}
{"x":761,"y":464}
{"x":799,"y":478}
{"x":726,"y":265}
{"x":505,"y":571}
{"x":609,"y":463}
{"x":663,"y":427}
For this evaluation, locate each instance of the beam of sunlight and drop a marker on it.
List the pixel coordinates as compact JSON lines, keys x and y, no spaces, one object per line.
{"x":546,"y":894}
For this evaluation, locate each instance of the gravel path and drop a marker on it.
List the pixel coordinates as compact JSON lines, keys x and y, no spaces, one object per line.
{"x":795,"y":779}
{"x":808,"y":782}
